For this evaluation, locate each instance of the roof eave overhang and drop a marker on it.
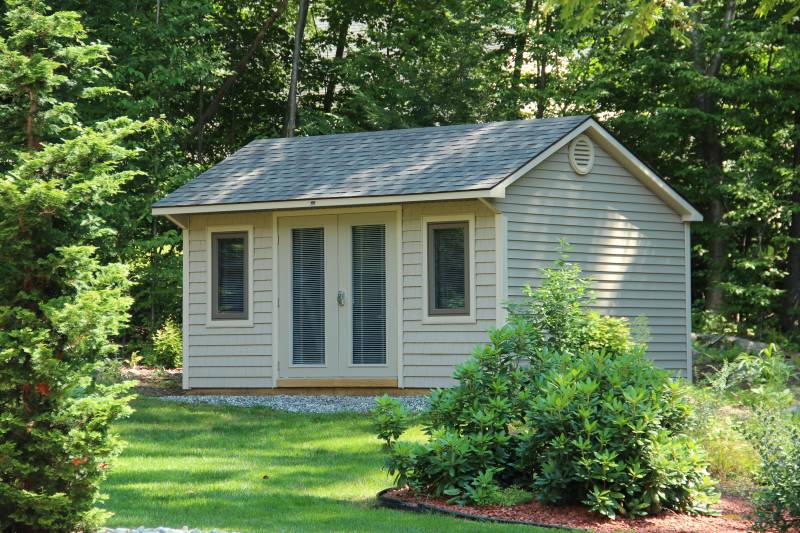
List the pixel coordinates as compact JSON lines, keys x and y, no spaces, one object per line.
{"x":624,"y":156}
{"x":172,"y":211}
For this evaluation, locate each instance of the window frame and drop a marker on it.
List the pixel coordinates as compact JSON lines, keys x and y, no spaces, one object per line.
{"x":215,"y":318}
{"x":432,"y":315}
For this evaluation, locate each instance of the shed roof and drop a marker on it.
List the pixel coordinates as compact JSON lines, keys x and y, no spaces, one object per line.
{"x":382,"y":163}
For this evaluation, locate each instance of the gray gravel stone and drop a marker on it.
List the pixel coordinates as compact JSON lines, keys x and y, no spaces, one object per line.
{"x":301,"y":404}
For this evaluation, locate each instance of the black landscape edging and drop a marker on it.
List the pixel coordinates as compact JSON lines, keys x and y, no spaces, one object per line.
{"x":396,"y":503}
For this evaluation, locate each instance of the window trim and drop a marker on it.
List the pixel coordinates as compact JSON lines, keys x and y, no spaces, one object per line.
{"x":213,"y":318}
{"x":431,"y":316}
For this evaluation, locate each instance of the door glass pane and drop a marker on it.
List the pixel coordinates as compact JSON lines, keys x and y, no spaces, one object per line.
{"x":308,"y":296}
{"x":369,"y":294}
{"x":449,"y":267}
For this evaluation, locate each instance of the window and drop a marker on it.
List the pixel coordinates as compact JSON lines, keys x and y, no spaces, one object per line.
{"x":229,"y":271}
{"x":448,"y":268}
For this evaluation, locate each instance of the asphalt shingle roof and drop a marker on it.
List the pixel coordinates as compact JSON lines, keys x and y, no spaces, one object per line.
{"x":394,"y":162}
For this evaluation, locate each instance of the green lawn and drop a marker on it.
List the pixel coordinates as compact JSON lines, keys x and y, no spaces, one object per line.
{"x":204,"y":467}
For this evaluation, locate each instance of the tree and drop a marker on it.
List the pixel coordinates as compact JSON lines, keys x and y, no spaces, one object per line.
{"x":291,"y":106}
{"x":61,"y":307}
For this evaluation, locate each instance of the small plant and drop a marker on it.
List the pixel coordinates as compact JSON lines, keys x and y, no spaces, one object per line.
{"x":109,"y":372}
{"x":482,"y":490}
{"x":776,"y":438}
{"x":134,"y":359}
{"x":391,"y":418}
{"x":756,"y":380}
{"x":167,"y":348}
{"x":714,"y":422}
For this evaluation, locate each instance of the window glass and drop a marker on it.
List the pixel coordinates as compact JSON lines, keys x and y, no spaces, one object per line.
{"x":229,"y":275}
{"x":448,"y":269}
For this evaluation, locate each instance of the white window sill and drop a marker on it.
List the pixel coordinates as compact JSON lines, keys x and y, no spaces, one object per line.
{"x":449,"y":319}
{"x":229,"y":323}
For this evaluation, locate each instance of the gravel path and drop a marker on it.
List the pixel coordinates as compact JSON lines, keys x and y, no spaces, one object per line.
{"x":301,"y":404}
{"x":143,"y":529}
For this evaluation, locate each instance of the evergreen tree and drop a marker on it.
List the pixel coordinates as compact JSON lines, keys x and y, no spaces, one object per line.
{"x":60,"y":307}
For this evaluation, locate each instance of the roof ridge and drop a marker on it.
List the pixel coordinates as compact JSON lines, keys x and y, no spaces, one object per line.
{"x":447,"y":127}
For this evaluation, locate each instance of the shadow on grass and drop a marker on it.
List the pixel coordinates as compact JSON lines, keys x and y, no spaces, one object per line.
{"x":204,"y":466}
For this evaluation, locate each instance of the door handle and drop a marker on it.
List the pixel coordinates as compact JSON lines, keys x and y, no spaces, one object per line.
{"x":340,"y":298}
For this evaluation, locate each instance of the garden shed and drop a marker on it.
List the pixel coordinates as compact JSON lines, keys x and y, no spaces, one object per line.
{"x":380,"y":259}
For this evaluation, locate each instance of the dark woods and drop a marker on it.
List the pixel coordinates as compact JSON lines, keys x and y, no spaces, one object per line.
{"x":707,"y":94}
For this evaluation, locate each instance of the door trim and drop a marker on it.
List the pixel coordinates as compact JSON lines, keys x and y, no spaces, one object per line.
{"x":397,"y":209}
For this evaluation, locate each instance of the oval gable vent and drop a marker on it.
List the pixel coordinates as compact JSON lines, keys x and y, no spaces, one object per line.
{"x":581,"y":154}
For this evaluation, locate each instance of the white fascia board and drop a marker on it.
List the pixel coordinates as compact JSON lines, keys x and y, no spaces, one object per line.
{"x":499,"y":190}
{"x":607,"y":141}
{"x":323,"y":202}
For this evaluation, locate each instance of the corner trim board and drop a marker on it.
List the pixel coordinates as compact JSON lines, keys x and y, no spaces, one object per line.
{"x":688,"y":259}
{"x":185,"y":309}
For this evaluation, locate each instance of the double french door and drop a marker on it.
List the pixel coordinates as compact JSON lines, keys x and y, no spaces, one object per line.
{"x":337,"y":289}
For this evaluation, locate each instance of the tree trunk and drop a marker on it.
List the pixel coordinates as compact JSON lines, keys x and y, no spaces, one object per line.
{"x":541,"y":78}
{"x":522,"y":41}
{"x":712,"y":158}
{"x":341,"y":43}
{"x":32,"y":108}
{"x":519,"y":56}
{"x":240,"y":67}
{"x":791,"y":316}
{"x":291,"y":107}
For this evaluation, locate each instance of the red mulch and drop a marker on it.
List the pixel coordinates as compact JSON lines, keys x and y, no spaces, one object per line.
{"x":733,"y":516}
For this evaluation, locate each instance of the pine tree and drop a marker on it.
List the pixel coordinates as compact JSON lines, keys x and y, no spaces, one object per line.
{"x":61,"y":307}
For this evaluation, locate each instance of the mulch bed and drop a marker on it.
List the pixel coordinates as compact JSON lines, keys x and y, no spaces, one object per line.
{"x":154,"y":382}
{"x":733,"y":515}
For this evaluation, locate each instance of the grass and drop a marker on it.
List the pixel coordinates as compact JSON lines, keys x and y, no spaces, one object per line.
{"x":255,"y":469}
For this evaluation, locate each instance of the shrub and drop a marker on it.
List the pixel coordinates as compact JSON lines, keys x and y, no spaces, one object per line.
{"x":562,"y":402}
{"x":391,"y":418}
{"x":167,"y":346}
{"x":608,"y":430}
{"x":776,"y":438}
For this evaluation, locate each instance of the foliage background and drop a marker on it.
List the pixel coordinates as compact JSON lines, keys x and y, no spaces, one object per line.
{"x":707,"y":93}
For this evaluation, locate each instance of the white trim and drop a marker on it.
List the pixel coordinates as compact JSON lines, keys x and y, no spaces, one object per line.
{"x":579,"y":169}
{"x":501,"y":258}
{"x":469,"y":218}
{"x":245,"y":323}
{"x":185,"y":307}
{"x":323,"y":202}
{"x":400,"y":319}
{"x":276,"y":301}
{"x":688,"y":259}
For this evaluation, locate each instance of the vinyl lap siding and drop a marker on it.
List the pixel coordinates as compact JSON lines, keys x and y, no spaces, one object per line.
{"x":230,"y":356}
{"x":620,"y":233}
{"x":431,"y":351}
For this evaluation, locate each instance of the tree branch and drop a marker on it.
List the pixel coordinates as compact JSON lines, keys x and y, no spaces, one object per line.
{"x":240,"y":67}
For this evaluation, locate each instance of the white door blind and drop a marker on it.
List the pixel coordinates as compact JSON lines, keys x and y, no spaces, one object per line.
{"x":369,"y":294}
{"x":308,"y":296}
